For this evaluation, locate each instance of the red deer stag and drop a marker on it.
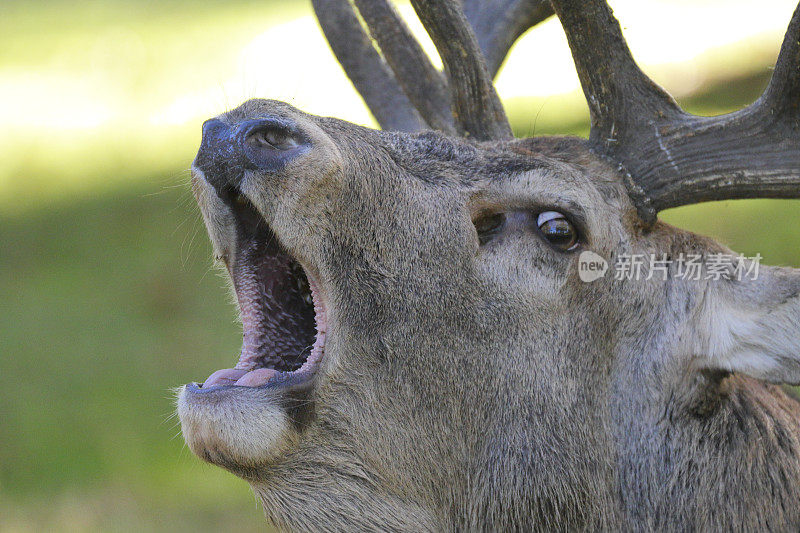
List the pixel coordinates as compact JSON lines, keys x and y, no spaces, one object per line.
{"x":422,"y":349}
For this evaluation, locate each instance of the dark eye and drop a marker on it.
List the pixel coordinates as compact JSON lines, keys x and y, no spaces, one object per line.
{"x":557,"y":230}
{"x":488,"y":226}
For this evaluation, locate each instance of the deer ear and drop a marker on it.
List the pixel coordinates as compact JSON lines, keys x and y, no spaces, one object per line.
{"x":751,"y":325}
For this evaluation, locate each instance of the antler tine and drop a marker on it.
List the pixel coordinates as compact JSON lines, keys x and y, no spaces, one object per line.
{"x":499,"y":23}
{"x":369,"y":73}
{"x":670,"y":157}
{"x":422,"y":83}
{"x":782,"y":96}
{"x":475,"y":104}
{"x":617,"y":91}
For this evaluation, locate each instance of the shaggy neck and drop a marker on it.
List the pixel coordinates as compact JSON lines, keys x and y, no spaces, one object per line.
{"x":694,"y":448}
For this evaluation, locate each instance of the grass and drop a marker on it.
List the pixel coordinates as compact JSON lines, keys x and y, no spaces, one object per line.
{"x":113,"y":305}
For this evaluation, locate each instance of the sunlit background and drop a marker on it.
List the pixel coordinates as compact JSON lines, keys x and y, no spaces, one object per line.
{"x":109,"y":297}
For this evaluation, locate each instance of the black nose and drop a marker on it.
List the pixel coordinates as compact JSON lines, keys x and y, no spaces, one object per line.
{"x":220,"y":156}
{"x":265,"y":144}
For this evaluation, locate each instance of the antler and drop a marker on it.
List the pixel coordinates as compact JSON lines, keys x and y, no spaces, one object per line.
{"x":462,"y":99}
{"x":673,"y":158}
{"x":669,"y":157}
{"x":419,"y":79}
{"x":365,"y":67}
{"x":476,"y":106}
{"x":499,"y":23}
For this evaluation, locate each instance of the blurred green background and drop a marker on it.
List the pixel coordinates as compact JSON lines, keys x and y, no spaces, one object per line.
{"x":110,"y":298}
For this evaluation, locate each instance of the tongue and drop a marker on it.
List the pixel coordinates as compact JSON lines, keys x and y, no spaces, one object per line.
{"x":257,"y":377}
{"x":238,"y":376}
{"x":226,"y":376}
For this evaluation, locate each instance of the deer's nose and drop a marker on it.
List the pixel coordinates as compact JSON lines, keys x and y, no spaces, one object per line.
{"x":220,"y":157}
{"x":266,"y":144}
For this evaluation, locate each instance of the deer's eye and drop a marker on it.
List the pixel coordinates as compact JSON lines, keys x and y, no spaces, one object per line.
{"x":557,"y":230}
{"x":489,"y":226}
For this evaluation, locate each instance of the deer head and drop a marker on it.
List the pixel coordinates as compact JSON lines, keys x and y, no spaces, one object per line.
{"x":421,"y":350}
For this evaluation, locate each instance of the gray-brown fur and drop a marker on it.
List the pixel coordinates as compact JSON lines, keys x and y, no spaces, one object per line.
{"x":468,"y":388}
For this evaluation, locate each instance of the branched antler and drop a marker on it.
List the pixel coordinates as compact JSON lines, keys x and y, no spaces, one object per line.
{"x":476,"y":106}
{"x":461,"y":100}
{"x":422,"y":83}
{"x":669,"y":157}
{"x":365,"y":67}
{"x":673,"y":158}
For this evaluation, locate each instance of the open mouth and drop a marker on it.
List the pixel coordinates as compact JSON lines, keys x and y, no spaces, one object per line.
{"x":280,"y":304}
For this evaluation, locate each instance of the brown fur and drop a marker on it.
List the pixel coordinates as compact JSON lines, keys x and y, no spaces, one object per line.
{"x":488,"y":388}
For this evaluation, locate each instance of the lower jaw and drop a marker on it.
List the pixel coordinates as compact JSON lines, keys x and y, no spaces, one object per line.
{"x":283,"y":381}
{"x":243,"y":429}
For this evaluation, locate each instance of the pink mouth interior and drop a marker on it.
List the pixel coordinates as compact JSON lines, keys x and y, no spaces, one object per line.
{"x":281,"y":307}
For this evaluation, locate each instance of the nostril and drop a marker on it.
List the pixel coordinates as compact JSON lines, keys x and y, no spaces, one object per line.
{"x":270,"y":143}
{"x":269,"y":137}
{"x":270,"y":133}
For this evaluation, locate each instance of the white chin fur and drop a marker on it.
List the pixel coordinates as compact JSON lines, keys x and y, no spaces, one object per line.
{"x":233,"y":428}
